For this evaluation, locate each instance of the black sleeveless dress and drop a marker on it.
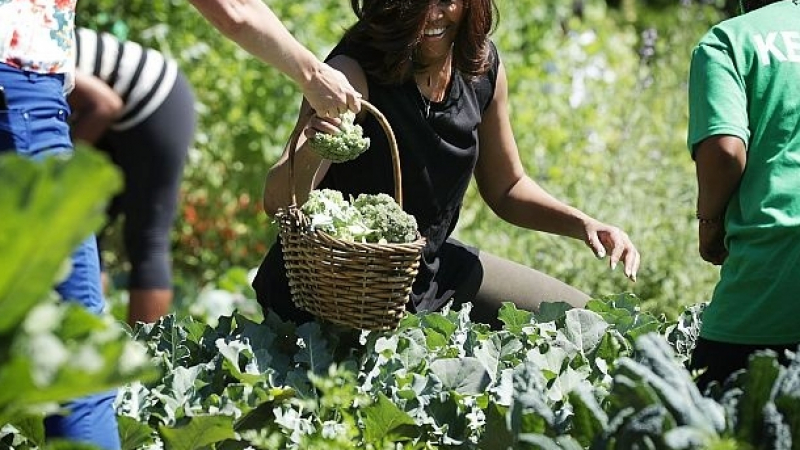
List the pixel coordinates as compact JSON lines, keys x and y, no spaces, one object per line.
{"x":438,"y":145}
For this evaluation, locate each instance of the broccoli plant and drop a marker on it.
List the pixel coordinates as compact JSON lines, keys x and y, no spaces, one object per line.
{"x":346,"y":145}
{"x":373,"y":218}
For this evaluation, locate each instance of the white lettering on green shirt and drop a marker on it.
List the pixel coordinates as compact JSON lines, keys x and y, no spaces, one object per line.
{"x":792,"y":41}
{"x":767,"y":47}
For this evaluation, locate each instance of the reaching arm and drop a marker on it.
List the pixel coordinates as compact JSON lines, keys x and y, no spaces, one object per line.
{"x":720,"y":162}
{"x":309,"y":168}
{"x":94,"y":106}
{"x":253,"y":25}
{"x":503,"y":183}
{"x":518,"y":199}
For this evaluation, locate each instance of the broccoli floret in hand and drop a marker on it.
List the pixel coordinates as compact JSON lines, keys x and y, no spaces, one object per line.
{"x":346,"y":145}
{"x":386,"y":219}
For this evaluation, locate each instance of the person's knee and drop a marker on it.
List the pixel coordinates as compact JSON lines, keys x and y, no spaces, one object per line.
{"x":150,"y":261}
{"x":528,"y":288}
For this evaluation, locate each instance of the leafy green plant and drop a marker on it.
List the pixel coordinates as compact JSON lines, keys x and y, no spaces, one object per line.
{"x":53,"y":351}
{"x":604,"y":377}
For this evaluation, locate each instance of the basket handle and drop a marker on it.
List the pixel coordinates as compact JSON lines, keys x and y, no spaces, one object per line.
{"x":292,"y":148}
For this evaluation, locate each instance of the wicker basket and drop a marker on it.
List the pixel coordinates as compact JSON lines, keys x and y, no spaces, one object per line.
{"x":361,"y":286}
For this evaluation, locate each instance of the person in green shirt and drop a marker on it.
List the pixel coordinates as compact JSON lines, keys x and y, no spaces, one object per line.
{"x":744,"y":136}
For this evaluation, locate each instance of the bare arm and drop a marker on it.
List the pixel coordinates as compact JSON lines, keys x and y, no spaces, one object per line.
{"x":253,"y":25}
{"x":720,"y":162}
{"x":309,"y":168}
{"x":94,"y":106}
{"x":502,"y":180}
{"x":518,"y":199}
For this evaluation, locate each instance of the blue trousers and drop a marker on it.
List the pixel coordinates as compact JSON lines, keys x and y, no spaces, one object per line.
{"x":34,"y":125}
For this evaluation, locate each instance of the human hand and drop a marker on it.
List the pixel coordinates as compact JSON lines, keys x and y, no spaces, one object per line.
{"x":320,"y":124}
{"x":712,"y":242}
{"x":609,"y":240}
{"x":329,"y":92}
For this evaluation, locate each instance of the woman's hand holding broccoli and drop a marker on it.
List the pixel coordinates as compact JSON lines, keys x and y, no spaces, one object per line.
{"x":337,"y":139}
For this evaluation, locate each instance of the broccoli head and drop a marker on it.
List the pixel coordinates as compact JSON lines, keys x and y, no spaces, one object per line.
{"x":331,"y":213}
{"x":346,"y":145}
{"x":386,"y":219}
{"x":369,"y":218}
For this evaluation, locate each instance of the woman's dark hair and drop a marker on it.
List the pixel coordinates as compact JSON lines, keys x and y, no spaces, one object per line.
{"x":387,"y":33}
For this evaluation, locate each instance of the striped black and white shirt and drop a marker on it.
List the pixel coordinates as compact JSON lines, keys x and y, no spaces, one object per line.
{"x":142,"y":77}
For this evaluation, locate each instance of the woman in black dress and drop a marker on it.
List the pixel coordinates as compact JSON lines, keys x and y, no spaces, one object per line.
{"x":431,"y":69}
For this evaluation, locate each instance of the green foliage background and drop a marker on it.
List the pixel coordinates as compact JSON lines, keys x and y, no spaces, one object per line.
{"x":598,"y":125}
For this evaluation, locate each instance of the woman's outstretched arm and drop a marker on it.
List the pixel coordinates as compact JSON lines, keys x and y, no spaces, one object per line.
{"x":253,"y":25}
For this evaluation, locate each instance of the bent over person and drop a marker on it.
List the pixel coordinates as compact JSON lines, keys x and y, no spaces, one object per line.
{"x":744,"y":136}
{"x":136,"y":105}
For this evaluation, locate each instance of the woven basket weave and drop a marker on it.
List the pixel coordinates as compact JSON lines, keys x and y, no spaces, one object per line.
{"x":361,"y":286}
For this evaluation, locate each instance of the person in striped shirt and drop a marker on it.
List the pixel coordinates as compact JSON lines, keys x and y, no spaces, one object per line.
{"x":136,"y":105}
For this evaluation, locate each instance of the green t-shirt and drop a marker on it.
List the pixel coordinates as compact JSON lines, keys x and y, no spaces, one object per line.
{"x":745,"y":82}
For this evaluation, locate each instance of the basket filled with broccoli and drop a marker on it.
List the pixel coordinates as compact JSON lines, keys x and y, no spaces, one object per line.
{"x":351,"y":261}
